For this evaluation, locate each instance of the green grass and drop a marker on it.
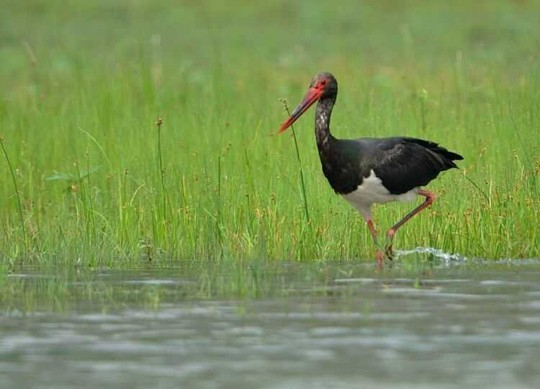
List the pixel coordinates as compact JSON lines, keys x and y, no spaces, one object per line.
{"x":84,"y":83}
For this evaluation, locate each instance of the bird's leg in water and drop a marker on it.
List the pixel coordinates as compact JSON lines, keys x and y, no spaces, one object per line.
{"x":379,"y":255}
{"x":430,"y":198}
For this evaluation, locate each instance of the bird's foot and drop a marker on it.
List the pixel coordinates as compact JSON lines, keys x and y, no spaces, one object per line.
{"x":389,"y":252}
{"x":380,"y":258}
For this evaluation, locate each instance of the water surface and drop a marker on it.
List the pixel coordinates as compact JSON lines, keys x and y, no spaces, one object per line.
{"x":448,"y":324}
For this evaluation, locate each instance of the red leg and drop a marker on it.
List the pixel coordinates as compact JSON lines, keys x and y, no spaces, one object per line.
{"x":430,"y":198}
{"x":379,"y":255}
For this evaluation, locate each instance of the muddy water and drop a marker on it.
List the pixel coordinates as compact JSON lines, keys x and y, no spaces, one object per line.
{"x":449,"y":324}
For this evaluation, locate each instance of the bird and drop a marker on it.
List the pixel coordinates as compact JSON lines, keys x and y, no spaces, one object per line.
{"x":367,"y":171}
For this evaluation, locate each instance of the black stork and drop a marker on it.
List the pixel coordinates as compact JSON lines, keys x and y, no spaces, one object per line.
{"x":366,"y":171}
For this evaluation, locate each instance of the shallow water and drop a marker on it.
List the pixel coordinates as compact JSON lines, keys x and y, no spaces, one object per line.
{"x":447,"y":324}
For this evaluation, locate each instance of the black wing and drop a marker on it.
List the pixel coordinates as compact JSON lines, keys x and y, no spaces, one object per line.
{"x":406,"y":163}
{"x":401,"y":163}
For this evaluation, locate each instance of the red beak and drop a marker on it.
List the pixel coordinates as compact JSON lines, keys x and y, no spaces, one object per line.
{"x":313,"y":94}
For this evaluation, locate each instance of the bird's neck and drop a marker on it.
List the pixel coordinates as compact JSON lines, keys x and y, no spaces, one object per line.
{"x":322,"y":122}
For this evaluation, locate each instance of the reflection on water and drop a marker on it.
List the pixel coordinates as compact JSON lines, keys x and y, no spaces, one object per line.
{"x":275,"y":326}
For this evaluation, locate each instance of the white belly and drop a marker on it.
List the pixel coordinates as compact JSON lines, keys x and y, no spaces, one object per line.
{"x":372,"y":191}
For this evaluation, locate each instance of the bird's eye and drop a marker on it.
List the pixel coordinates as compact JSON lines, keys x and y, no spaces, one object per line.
{"x":323,"y":82}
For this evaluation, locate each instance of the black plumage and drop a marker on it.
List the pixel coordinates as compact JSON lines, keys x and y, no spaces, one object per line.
{"x":401,"y":163}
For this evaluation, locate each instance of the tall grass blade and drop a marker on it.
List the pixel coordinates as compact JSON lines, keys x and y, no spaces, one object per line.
{"x":17,"y":193}
{"x":301,"y":169}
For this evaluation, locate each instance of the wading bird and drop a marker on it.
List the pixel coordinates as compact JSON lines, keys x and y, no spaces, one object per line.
{"x":366,"y":171}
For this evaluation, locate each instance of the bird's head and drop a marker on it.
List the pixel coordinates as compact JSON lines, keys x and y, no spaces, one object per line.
{"x":323,"y":85}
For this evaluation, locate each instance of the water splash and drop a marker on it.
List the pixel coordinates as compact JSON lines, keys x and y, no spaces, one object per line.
{"x":438,"y":253}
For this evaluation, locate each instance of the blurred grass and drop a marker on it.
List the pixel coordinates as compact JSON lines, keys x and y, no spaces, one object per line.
{"x":83,"y":84}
